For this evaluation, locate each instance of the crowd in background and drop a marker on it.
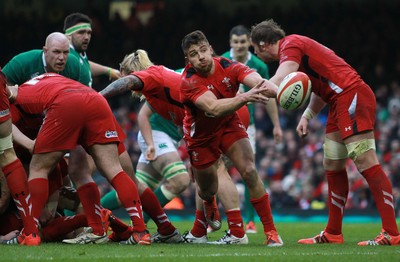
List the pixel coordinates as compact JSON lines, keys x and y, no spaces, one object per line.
{"x":364,"y":34}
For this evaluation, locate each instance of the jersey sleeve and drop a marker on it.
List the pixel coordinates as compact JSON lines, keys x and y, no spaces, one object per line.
{"x":291,"y":50}
{"x":191,"y":89}
{"x":13,"y":70}
{"x":152,"y":79}
{"x":241,"y":71}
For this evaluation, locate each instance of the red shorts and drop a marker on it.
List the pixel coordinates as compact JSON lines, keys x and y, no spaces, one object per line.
{"x":77,"y":118}
{"x":4,"y":103}
{"x":244,"y":115}
{"x":352,"y":112}
{"x":205,"y":152}
{"x":121,"y":136}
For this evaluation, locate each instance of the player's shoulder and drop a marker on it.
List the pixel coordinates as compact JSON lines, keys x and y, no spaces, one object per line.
{"x":73,"y":60}
{"x":225,"y":62}
{"x":28,"y":55}
{"x":257,"y":61}
{"x":227,"y":54}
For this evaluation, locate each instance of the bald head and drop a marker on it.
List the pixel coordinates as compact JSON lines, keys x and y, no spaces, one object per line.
{"x":56,"y":52}
{"x":56,"y":38}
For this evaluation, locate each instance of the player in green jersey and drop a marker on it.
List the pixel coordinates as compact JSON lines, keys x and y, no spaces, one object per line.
{"x":78,"y":29}
{"x":55,"y":57}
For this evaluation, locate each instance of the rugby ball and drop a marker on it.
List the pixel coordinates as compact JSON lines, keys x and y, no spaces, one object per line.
{"x":294,"y":91}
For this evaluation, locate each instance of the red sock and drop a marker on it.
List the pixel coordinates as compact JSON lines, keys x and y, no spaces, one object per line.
{"x":90,"y":198}
{"x":61,"y":226}
{"x":263,"y":209}
{"x":117,"y":225}
{"x":17,"y":182}
{"x":235,"y":223}
{"x":338,"y":189}
{"x":129,"y":197}
{"x":153,"y":208}
{"x":199,"y":228}
{"x":381,"y":190}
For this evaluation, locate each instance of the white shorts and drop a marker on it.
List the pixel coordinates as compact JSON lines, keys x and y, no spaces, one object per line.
{"x":163,"y":144}
{"x":251,"y":132}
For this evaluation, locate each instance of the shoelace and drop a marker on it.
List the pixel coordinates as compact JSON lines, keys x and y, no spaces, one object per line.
{"x":225,"y":238}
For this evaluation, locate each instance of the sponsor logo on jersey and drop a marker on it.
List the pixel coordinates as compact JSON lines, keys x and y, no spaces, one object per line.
{"x":162,"y":145}
{"x":110,"y":134}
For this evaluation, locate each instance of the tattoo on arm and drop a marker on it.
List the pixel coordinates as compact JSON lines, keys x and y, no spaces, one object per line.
{"x":122,"y":85}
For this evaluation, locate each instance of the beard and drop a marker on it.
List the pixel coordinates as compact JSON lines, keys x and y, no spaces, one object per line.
{"x":205,"y":69}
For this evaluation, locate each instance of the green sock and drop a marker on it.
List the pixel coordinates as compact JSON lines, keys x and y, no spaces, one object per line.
{"x":110,"y":200}
{"x":161,"y":197}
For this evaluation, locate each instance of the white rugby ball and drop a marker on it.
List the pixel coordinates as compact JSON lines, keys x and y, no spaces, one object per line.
{"x":294,"y":91}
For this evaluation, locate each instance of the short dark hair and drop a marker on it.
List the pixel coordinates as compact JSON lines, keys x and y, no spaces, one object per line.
{"x":239,"y":30}
{"x":267,"y":31}
{"x":76,"y":18}
{"x":193,"y":38}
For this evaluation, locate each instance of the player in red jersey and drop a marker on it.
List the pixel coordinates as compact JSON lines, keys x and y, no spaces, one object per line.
{"x":349,"y":128}
{"x":161,"y":88}
{"x":14,"y":171}
{"x":209,"y":93}
{"x":76,"y":114}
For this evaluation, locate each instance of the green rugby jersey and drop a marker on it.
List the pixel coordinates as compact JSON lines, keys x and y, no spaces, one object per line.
{"x":86,"y":74}
{"x":28,"y":65}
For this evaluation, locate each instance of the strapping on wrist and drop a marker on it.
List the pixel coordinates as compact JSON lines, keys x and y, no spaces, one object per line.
{"x":308,"y":114}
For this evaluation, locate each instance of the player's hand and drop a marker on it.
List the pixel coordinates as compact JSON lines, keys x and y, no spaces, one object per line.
{"x":114,"y":74}
{"x":302,"y":127}
{"x":256,"y":94}
{"x":150,"y":153}
{"x":271,"y":89}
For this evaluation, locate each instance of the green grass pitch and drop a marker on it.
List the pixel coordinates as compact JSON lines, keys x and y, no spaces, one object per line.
{"x":254,"y":251}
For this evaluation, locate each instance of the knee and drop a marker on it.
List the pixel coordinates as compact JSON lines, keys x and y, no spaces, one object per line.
{"x":249,"y":175}
{"x":178,"y":184}
{"x":207,"y":195}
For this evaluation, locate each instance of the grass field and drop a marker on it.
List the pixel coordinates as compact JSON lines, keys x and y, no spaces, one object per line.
{"x":254,"y":251}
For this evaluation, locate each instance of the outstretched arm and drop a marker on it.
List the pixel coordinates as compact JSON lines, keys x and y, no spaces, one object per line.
{"x":122,"y":85}
{"x":97,"y":69}
{"x":214,"y":107}
{"x":146,"y":130}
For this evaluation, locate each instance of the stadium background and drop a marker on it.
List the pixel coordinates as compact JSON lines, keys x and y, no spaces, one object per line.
{"x":363,"y":32}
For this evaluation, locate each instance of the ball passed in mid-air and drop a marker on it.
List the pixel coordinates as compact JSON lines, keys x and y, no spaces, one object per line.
{"x":294,"y":91}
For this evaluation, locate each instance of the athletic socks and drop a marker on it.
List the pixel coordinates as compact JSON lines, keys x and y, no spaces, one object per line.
{"x":263,"y":209}
{"x":152,"y":207}
{"x":59,"y":227}
{"x":199,"y":228}
{"x":90,"y":199}
{"x":338,"y":189}
{"x":129,"y":197}
{"x":235,"y":223}
{"x":110,"y":201}
{"x":17,"y":182}
{"x":381,"y":189}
